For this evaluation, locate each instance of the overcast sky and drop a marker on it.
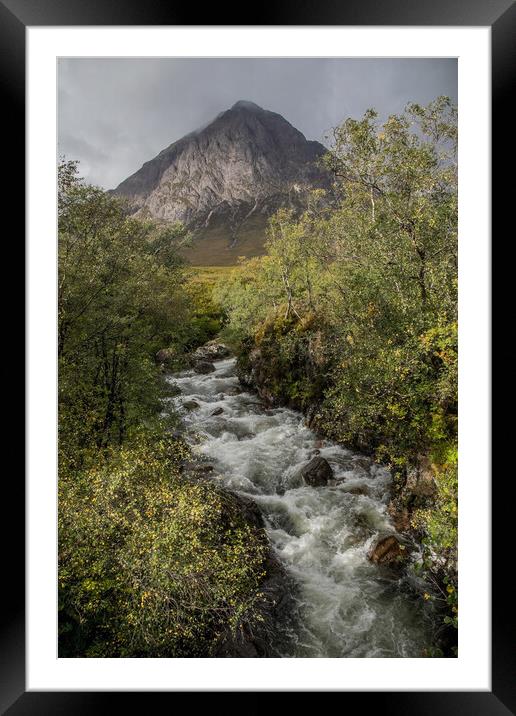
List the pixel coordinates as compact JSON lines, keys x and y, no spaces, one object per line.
{"x":115,"y":114}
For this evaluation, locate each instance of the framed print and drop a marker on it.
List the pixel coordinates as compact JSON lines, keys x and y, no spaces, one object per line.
{"x":258,"y":360}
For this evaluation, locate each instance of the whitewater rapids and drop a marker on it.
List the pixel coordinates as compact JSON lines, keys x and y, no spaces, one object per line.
{"x":345,"y":606}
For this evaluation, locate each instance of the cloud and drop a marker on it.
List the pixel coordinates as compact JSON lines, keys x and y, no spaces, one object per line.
{"x":116,"y":113}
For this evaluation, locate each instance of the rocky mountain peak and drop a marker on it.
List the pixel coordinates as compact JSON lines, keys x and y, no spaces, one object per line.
{"x":230,"y":174}
{"x":247,"y":105}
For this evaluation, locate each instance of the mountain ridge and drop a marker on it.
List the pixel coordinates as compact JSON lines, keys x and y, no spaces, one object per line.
{"x":226,"y":178}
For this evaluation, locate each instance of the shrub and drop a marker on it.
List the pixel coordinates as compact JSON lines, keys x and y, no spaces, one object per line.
{"x":152,"y":563}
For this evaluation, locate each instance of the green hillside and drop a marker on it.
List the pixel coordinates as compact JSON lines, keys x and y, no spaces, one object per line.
{"x":216,"y":246}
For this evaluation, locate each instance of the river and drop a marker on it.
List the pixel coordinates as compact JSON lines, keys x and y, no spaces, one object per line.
{"x":345,"y":605}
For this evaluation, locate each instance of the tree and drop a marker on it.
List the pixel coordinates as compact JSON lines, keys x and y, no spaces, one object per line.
{"x":120,"y":298}
{"x":398,"y":216}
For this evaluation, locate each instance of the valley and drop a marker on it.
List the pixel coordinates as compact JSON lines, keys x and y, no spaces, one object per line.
{"x":258,"y":408}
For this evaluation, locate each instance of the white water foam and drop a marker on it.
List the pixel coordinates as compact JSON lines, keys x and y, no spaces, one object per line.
{"x":346,"y":606}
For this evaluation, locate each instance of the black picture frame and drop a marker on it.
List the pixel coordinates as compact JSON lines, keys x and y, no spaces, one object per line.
{"x":15,"y":16}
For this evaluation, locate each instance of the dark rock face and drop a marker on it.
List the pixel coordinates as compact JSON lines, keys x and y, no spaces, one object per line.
{"x":246,"y":162}
{"x":387,"y":550}
{"x":203,"y":367}
{"x":317,"y":472}
{"x":274,"y":607}
{"x":418,"y":490}
{"x":400,"y":517}
{"x":218,"y":411}
{"x":251,"y":512}
{"x":254,"y":376}
{"x":420,"y":481}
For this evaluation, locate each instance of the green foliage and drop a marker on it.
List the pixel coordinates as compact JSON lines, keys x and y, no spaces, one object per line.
{"x":246,"y":295}
{"x":121,"y":298}
{"x":440,"y":522}
{"x":397,"y":398}
{"x":207,"y":317}
{"x":354,"y":307}
{"x":352,"y":314}
{"x":151,"y":563}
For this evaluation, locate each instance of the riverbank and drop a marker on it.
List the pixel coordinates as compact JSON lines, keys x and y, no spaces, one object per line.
{"x":422,"y":497}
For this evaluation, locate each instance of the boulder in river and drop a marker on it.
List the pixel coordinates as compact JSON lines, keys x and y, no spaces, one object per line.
{"x":218,"y":411}
{"x":234,"y":391}
{"x":317,"y":472}
{"x":190,"y":405}
{"x":251,"y":512}
{"x":246,"y":436}
{"x":358,"y":490}
{"x":387,"y":550}
{"x":362,"y":462}
{"x":203,"y":367}
{"x":212,"y":351}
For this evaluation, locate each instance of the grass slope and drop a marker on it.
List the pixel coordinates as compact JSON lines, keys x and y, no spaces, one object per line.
{"x":216,"y":246}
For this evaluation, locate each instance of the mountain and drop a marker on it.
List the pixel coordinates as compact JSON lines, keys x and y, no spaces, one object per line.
{"x":224,"y":180}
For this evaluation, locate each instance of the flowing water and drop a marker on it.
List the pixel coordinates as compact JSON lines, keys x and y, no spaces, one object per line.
{"x":346,"y":606}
